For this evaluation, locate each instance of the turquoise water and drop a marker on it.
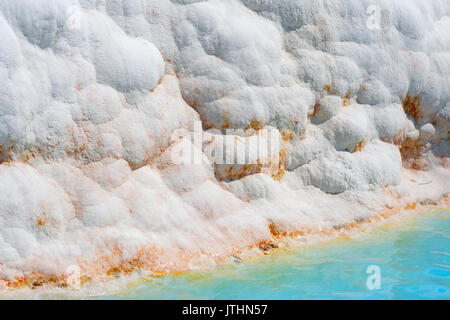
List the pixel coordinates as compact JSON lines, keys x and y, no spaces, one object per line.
{"x":413,"y":257}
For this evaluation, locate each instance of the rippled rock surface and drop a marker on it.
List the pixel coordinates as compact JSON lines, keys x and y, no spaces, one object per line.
{"x":294,"y":117}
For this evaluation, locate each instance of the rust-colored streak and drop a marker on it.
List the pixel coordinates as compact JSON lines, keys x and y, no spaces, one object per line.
{"x":267,"y":246}
{"x":411,"y":206}
{"x":42,"y":219}
{"x":413,"y":154}
{"x":346,"y":99}
{"x":360,"y":146}
{"x":411,"y":105}
{"x":255,"y":125}
{"x":287,"y":135}
{"x":315,"y":111}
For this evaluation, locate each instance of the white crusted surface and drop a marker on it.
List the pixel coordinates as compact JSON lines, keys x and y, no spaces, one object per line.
{"x":86,"y":116}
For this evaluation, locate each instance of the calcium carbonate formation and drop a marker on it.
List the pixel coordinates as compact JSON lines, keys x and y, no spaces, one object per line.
{"x":296,"y":116}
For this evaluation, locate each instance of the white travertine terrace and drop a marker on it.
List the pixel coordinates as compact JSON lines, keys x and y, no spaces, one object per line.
{"x":91,"y":92}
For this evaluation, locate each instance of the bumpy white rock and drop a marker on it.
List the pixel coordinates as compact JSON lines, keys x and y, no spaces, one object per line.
{"x":97,"y":96}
